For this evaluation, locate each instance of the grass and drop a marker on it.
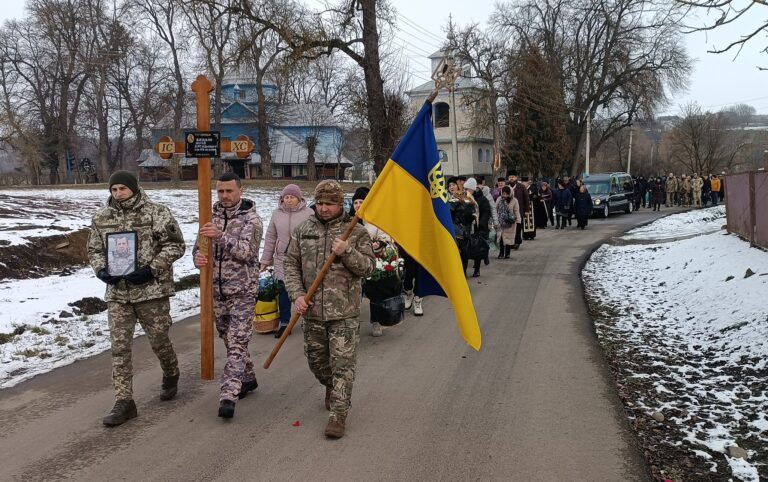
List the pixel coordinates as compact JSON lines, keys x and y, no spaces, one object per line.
{"x":39,"y":330}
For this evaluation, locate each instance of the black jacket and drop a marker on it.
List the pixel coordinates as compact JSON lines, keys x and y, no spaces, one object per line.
{"x":484,"y":211}
{"x":582,"y":204}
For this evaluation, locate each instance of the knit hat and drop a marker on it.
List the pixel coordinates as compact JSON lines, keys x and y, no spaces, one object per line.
{"x":470,"y":185}
{"x":360,"y":193}
{"x":291,"y":190}
{"x":329,"y":191}
{"x":127,"y":179}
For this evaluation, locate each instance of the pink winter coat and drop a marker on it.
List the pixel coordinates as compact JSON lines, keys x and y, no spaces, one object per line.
{"x":282,"y":224}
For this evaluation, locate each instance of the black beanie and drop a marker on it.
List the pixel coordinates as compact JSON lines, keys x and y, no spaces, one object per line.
{"x":360,"y":193}
{"x":127,"y":179}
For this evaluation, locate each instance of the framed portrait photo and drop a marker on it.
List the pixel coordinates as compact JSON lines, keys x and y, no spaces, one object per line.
{"x":122,"y":253}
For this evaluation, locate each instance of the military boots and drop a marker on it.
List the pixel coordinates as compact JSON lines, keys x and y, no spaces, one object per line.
{"x":170,"y":386}
{"x":246,"y":387}
{"x":226,"y":409}
{"x":123,"y":411}
{"x":335,"y":427}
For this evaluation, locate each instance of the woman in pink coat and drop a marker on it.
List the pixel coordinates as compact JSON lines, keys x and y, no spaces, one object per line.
{"x":291,"y":211}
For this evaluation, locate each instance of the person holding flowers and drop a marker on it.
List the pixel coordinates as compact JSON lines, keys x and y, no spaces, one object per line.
{"x":385,"y":281}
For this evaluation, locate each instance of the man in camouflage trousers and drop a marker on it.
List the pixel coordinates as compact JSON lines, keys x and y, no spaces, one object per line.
{"x":235,"y":231}
{"x":331,"y":324}
{"x":685,"y":190}
{"x":671,"y":190}
{"x":696,"y":184}
{"x":142,"y":295}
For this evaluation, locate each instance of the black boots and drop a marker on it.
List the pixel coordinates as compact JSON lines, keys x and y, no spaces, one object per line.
{"x":476,"y":273}
{"x":226,"y":409}
{"x":246,"y":387}
{"x":123,"y":411}
{"x":280,"y":331}
{"x":507,"y":250}
{"x":170,"y":386}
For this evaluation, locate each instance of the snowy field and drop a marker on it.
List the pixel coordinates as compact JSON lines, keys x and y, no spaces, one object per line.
{"x":685,"y":327}
{"x":50,"y":340}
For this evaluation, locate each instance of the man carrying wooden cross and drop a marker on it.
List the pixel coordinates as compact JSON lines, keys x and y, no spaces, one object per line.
{"x":236,"y":234}
{"x":331,"y":324}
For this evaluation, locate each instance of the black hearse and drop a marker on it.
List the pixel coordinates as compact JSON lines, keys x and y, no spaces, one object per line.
{"x":611,"y":192}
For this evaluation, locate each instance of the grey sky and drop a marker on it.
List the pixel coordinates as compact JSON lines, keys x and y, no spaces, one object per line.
{"x":717,"y":81}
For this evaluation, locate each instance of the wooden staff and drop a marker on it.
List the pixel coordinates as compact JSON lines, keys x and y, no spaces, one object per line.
{"x":310,"y":293}
{"x":202,"y":87}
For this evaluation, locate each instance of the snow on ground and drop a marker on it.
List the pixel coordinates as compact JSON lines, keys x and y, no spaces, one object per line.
{"x":689,"y":223}
{"x":50,"y":340}
{"x":688,"y":325}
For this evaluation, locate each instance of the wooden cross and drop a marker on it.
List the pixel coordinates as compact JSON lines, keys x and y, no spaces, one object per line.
{"x":166,"y":148}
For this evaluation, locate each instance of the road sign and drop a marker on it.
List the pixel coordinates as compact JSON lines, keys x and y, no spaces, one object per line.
{"x":202,"y":144}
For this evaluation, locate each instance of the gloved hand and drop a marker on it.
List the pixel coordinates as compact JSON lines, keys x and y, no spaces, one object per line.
{"x":108,"y":278}
{"x":141,"y":275}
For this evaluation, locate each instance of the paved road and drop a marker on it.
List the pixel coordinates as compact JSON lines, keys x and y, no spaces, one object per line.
{"x":535,"y":404}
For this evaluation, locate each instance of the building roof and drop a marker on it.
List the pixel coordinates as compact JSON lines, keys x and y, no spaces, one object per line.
{"x":462,"y":83}
{"x":287,"y":149}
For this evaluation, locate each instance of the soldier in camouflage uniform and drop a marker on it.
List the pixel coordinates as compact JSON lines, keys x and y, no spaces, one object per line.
{"x":331,"y":324}
{"x":685,"y":189}
{"x":671,"y":190}
{"x":236,"y":234}
{"x":696,"y":185}
{"x":142,"y":295}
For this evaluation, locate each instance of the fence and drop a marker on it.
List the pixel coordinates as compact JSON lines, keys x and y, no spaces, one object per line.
{"x":746,"y":204}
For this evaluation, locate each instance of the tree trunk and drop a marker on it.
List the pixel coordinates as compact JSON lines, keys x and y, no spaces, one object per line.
{"x":381,"y":133}
{"x":311,"y":169}
{"x":266,"y":156}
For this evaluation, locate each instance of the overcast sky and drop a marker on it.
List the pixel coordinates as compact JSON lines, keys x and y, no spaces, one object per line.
{"x":717,"y":81}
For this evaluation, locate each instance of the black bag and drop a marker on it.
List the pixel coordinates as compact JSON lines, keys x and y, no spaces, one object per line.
{"x":477,"y":246}
{"x":388,"y":312}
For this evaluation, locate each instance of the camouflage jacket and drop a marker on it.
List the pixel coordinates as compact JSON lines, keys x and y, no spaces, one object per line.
{"x":236,"y":252}
{"x":160,"y":244}
{"x":685,"y":185}
{"x":340,"y":293}
{"x":672,"y":184}
{"x":697,"y":183}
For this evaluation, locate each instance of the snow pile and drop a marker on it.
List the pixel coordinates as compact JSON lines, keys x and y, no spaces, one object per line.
{"x":49,"y":331}
{"x":684,"y":325}
{"x":685,"y":224}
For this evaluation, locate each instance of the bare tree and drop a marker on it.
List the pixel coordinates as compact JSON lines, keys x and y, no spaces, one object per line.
{"x":620,"y":58}
{"x":726,"y":12}
{"x":165,"y":19}
{"x":703,"y":143}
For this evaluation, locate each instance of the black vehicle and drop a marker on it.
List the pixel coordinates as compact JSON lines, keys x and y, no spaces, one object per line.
{"x":611,"y":193}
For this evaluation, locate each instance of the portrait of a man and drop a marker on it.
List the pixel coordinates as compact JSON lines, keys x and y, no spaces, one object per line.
{"x":121,"y":253}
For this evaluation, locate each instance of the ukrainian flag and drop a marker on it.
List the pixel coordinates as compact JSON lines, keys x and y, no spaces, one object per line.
{"x":409,"y":201}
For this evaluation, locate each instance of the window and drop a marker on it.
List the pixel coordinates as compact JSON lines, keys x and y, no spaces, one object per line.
{"x":242,"y":94}
{"x":442,"y":115}
{"x":277,"y":171}
{"x":299,"y":171}
{"x":480,"y":155}
{"x":487,"y":155}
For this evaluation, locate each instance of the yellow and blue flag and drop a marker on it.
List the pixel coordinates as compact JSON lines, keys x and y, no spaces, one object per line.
{"x":409,"y":201}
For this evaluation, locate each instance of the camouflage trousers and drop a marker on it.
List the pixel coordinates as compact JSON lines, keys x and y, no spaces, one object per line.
{"x":234,"y":318}
{"x":331,"y":350}
{"x":697,"y":198}
{"x":154,"y":317}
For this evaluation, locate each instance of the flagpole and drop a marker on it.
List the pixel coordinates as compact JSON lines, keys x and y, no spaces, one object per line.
{"x":310,"y":293}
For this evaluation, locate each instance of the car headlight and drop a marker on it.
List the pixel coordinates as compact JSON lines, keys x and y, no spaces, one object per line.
{"x":597,"y":202}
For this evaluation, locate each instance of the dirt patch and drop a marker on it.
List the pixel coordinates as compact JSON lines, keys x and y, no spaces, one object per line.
{"x":51,"y":255}
{"x":89,"y":306}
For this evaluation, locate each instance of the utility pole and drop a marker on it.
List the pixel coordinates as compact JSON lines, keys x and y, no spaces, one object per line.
{"x":629,"y":155}
{"x":589,"y":131}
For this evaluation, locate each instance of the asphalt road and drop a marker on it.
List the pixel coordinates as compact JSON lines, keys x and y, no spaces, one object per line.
{"x":537,"y":402}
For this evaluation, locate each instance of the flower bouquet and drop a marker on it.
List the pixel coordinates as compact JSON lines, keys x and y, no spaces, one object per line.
{"x":383,"y":287}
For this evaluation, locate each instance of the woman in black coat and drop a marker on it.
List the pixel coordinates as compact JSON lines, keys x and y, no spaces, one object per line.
{"x":462,"y":217}
{"x":482,"y":228}
{"x":582,"y":206}
{"x":657,"y":194}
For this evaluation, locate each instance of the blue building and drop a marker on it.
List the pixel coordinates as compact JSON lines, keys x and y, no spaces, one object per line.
{"x":291,"y":128}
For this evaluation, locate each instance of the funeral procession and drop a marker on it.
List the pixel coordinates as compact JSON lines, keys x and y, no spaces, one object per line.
{"x":381,"y":240}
